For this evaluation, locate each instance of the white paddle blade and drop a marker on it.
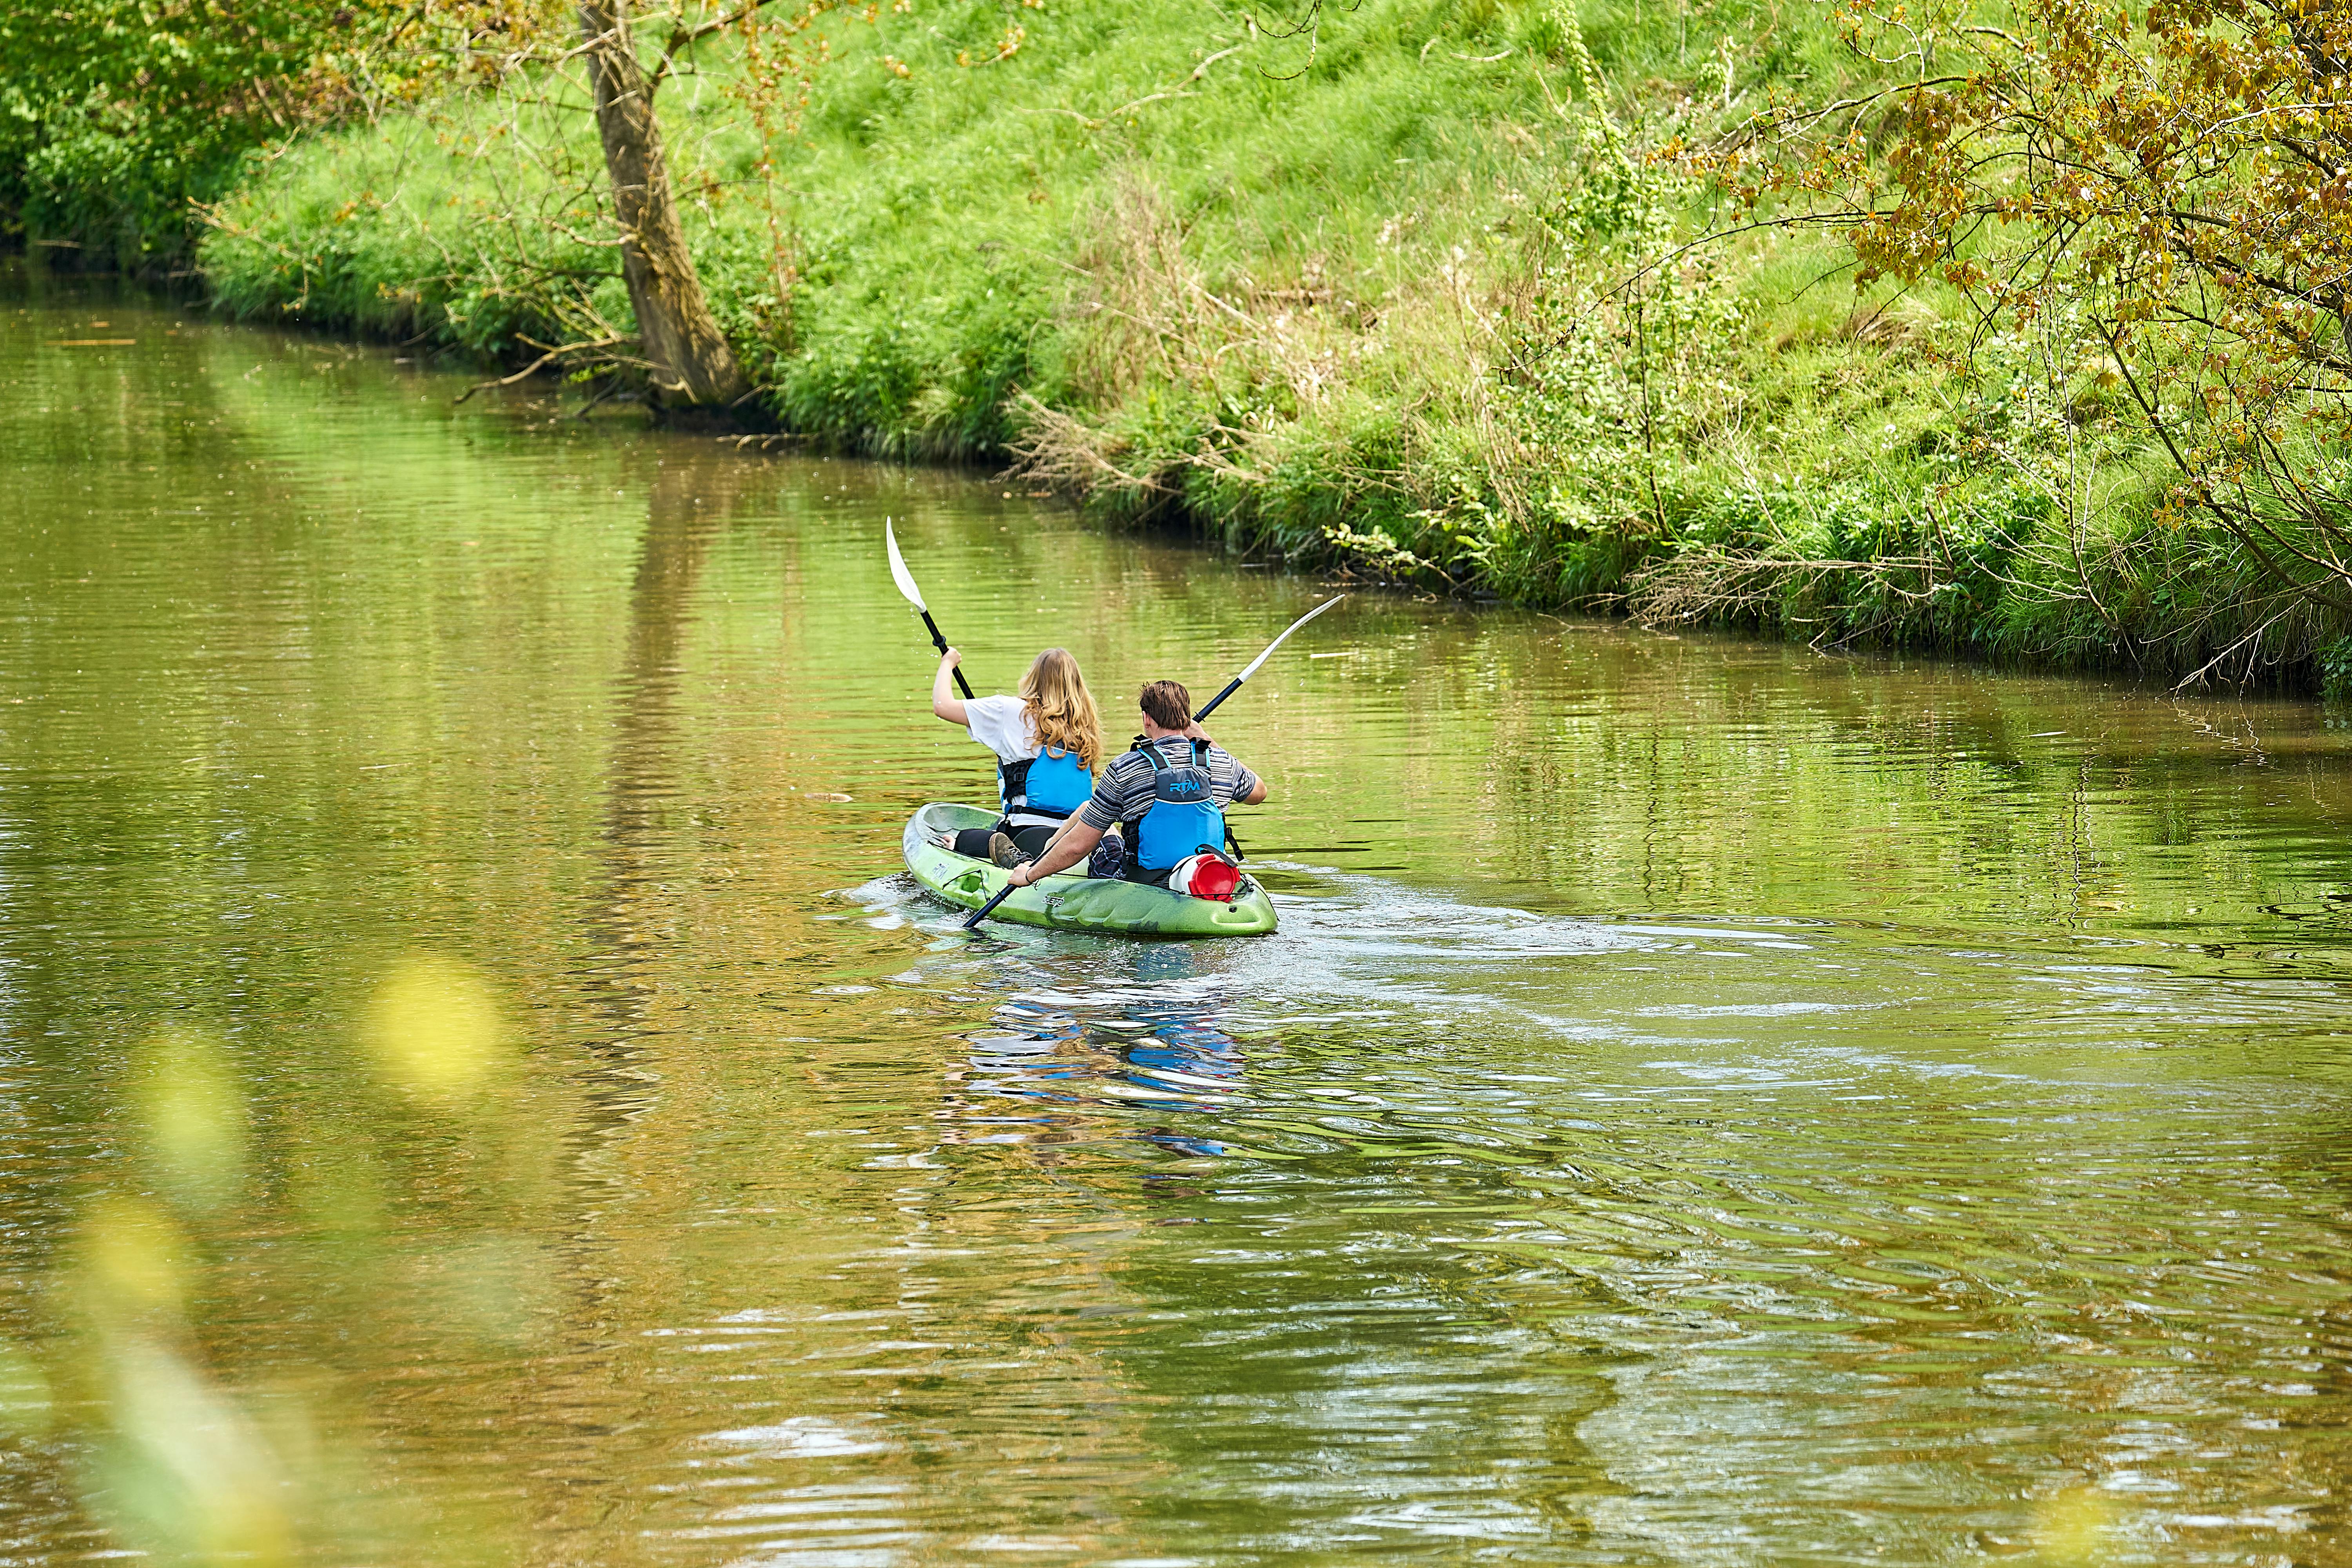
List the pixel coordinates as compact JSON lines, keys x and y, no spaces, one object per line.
{"x":1286,"y":637}
{"x":898,"y":573}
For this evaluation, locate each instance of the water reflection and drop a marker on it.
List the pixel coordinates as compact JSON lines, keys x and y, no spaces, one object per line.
{"x":648,"y":809}
{"x":1707,"y":1103}
{"x":1155,"y":1044}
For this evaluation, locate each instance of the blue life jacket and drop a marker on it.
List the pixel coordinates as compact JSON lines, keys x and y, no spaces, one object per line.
{"x":1045,"y":789}
{"x":1184,"y":818}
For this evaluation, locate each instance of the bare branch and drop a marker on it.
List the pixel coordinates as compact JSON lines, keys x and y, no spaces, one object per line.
{"x":535,"y":366}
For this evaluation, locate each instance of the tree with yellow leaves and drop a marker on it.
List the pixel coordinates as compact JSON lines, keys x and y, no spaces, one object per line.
{"x":2177,"y":179}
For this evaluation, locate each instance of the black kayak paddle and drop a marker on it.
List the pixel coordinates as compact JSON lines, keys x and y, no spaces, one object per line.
{"x":905,"y":585}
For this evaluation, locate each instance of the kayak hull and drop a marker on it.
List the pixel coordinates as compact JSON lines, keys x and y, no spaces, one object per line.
{"x":1072,"y":900}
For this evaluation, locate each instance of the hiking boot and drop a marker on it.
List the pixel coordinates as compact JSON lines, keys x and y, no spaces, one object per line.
{"x":1001,"y":851}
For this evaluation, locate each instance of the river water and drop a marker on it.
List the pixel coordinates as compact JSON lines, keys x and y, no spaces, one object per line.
{"x":477,"y":1085}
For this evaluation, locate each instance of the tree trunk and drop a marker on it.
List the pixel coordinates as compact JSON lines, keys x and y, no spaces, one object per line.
{"x":690,"y":359}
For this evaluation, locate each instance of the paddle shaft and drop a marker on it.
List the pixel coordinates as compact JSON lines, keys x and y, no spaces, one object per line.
{"x":982,"y":913}
{"x":940,"y":643}
{"x":1235,"y":683}
{"x":1206,"y":708}
{"x":1211,"y":705}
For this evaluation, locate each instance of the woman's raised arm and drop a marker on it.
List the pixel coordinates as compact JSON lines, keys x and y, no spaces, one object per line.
{"x":944,"y":701}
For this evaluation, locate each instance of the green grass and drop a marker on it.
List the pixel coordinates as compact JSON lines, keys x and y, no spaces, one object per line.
{"x":1368,"y":311}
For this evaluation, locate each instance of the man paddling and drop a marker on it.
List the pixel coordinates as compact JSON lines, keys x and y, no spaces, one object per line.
{"x":1167,"y":796}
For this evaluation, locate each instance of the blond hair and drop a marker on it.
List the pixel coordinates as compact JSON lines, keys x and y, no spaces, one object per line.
{"x":1061,"y":710}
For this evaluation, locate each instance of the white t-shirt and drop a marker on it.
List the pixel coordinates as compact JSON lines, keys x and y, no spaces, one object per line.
{"x":1002,"y":725}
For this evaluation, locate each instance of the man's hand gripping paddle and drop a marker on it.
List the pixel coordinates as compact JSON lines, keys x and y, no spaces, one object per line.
{"x":906,"y":581}
{"x":982,"y":913}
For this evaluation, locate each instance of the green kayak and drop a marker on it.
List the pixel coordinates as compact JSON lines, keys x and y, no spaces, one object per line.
{"x":1072,"y":902}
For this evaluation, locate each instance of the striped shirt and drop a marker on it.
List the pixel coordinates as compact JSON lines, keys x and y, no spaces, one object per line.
{"x":1123,"y":789}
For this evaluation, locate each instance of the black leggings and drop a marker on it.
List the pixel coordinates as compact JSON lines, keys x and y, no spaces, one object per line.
{"x":1030,"y":841}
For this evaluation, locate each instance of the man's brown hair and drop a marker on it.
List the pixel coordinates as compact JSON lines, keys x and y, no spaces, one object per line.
{"x":1167,"y":704}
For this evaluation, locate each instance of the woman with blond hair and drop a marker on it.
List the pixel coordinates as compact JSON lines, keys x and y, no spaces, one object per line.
{"x":1048,"y":742}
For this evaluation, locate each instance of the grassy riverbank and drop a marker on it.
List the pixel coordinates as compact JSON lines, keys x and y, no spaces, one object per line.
{"x":1417,"y":305}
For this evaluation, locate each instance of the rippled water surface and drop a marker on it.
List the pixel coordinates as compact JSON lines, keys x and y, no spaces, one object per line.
{"x":476,"y":1084}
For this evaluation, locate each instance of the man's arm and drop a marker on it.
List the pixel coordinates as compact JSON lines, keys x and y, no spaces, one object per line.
{"x":1076,"y":838}
{"x":1071,"y":823}
{"x":1072,"y":845}
{"x":1255,"y":793}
